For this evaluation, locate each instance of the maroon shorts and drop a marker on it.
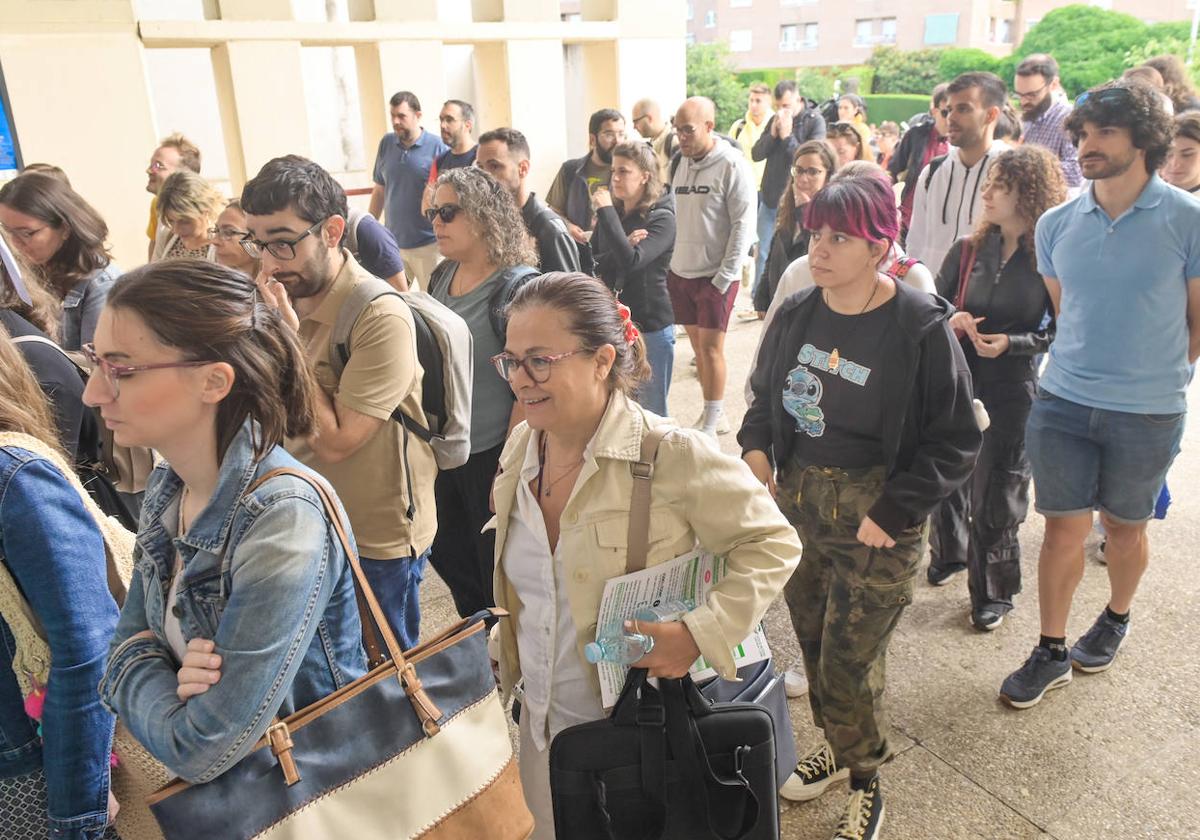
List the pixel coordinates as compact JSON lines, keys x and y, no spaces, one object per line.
{"x":697,"y":303}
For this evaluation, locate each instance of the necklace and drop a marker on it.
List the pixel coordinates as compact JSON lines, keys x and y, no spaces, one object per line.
{"x":835,"y":358}
{"x":567,"y":470}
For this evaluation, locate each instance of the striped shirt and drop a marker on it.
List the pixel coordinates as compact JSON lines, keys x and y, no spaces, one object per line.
{"x":1047,"y":130}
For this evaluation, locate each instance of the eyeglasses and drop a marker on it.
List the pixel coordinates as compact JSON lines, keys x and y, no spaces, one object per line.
{"x":637,"y":120}
{"x":113,"y":373}
{"x":807,"y":171}
{"x":536,"y":368}
{"x":1106,"y":96}
{"x":1031,"y":94}
{"x":158,"y":166}
{"x":25,"y":235}
{"x":227,"y":232}
{"x":447,"y":213}
{"x":281,"y":249}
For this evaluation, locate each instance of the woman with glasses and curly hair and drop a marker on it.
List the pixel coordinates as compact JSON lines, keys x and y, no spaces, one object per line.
{"x":487,"y":256}
{"x":1004,"y":321}
{"x":55,"y":230}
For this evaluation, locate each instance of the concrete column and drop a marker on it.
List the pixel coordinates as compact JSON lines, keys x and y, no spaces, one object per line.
{"x":537,"y":101}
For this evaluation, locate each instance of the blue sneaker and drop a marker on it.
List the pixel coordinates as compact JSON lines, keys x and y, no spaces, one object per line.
{"x":1096,"y":649}
{"x":1041,"y":672}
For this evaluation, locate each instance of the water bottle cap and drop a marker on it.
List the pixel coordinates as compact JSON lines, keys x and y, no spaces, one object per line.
{"x":592,"y":652}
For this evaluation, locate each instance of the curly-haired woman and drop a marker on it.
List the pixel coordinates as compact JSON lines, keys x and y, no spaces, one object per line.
{"x":1004,"y":321}
{"x":487,"y":255}
{"x":1176,"y":82}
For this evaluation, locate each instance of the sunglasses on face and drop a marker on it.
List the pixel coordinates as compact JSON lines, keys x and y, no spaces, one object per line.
{"x":447,"y":213}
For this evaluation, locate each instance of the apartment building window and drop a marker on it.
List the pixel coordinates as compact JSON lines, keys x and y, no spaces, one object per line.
{"x":887,"y":31}
{"x":789,"y":36}
{"x":1000,"y":31}
{"x":691,"y":11}
{"x":941,"y":29}
{"x":740,"y":40}
{"x":786,"y":3}
{"x":862,"y":32}
{"x":689,"y":38}
{"x":710,"y":19}
{"x":736,"y":4}
{"x":810,"y":35}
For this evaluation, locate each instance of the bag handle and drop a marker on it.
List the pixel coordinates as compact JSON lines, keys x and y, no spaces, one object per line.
{"x":638,"y":542}
{"x":422,"y":704}
{"x":966,"y":264}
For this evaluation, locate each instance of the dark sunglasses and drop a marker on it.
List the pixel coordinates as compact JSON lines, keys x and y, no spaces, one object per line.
{"x":1107,"y":96}
{"x":447,"y":213}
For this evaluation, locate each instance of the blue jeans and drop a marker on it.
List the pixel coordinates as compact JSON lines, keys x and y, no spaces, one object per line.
{"x":1084,"y":458}
{"x":660,"y":354}
{"x":766,"y":230}
{"x":397,"y":585}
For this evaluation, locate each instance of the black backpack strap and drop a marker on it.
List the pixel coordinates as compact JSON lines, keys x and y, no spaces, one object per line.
{"x":511,"y":280}
{"x":934,"y":164}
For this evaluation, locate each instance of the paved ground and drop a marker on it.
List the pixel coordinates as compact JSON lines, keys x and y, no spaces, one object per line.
{"x":1112,"y":755}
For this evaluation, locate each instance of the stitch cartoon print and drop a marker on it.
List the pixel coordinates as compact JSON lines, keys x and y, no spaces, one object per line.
{"x":801,"y":399}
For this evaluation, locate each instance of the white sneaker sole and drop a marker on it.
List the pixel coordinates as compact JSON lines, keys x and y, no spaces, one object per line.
{"x":794,"y":789}
{"x":985,"y":628}
{"x":1025,"y":704}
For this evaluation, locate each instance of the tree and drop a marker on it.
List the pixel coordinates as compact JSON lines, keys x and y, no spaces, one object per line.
{"x":1089,"y":44}
{"x":954,"y":62}
{"x":898,"y":71}
{"x":710,"y":73}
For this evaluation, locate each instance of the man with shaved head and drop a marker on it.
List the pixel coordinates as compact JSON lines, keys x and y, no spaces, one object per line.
{"x":715,"y":204}
{"x":649,"y":123}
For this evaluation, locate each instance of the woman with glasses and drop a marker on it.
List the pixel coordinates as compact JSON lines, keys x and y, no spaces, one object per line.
{"x":861,"y":423}
{"x":480,"y":234}
{"x":189,"y":206}
{"x":227,"y":236}
{"x":633,"y":241}
{"x":242,"y":603}
{"x":848,"y":143}
{"x":63,"y":237}
{"x":573,"y":357}
{"x":812,"y":165}
{"x":56,"y":737}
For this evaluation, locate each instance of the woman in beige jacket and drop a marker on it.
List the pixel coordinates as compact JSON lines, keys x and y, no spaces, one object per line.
{"x":562,"y":501}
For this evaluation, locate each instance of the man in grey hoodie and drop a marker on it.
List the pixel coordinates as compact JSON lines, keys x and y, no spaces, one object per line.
{"x":715,"y":206}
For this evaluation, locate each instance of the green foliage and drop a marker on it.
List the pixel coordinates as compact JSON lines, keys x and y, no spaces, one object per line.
{"x":815,"y":84}
{"x":710,"y":73}
{"x":956,"y":61}
{"x":897,"y":107}
{"x":1089,"y":44}
{"x":900,"y":71}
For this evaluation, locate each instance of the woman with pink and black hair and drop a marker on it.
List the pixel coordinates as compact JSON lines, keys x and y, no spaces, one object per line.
{"x":861,"y":421}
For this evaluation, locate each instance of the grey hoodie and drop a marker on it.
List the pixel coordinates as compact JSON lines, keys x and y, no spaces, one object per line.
{"x":715,"y":215}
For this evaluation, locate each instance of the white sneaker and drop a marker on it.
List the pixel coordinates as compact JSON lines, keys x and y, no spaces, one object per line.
{"x":813,"y":775}
{"x":795,"y":684}
{"x":722,"y":423}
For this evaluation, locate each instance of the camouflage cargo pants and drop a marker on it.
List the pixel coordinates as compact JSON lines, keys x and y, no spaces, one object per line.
{"x":845,"y":601}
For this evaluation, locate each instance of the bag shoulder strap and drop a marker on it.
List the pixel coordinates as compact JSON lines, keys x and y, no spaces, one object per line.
{"x":422,"y":704}
{"x":510,"y":283}
{"x":966,"y":264}
{"x":639,"y":501}
{"x":357,"y":300}
{"x":934,"y":165}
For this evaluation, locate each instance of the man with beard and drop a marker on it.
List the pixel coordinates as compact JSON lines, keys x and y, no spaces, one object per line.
{"x":504,"y":154}
{"x":174,"y":152}
{"x":296,"y":215}
{"x":1043,"y":113}
{"x":402,"y":165}
{"x":571,"y":193}
{"x":1122,"y":265}
{"x":947,"y":202}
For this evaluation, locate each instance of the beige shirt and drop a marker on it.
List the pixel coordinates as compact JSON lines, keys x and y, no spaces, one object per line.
{"x":383,"y":373}
{"x":698,"y":495}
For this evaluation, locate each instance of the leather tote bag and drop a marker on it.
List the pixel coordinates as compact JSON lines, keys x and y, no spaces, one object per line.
{"x":667,"y":765}
{"x":416,"y":748}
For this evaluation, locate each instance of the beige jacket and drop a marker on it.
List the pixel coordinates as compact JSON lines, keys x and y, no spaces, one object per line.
{"x":698,"y":495}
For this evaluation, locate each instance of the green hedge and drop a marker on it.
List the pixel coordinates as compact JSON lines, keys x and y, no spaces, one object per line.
{"x":897,"y":107}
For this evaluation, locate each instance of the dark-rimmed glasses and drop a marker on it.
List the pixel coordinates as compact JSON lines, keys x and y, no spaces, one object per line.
{"x":809,"y":171}
{"x":227,"y":232}
{"x":447,"y":213}
{"x":114,"y":373}
{"x":1031,"y":94}
{"x":280,"y":249}
{"x":536,"y":367}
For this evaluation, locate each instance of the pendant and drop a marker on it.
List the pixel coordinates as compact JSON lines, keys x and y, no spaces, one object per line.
{"x":835,"y":361}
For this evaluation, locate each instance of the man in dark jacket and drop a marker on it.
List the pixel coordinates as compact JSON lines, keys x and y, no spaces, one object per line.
{"x":795,"y":121}
{"x":571,"y":193}
{"x":924,"y":140}
{"x":504,"y":154}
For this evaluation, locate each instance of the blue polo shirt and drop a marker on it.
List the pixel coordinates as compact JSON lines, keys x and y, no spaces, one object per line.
{"x":1122,"y":341}
{"x":403,"y":174}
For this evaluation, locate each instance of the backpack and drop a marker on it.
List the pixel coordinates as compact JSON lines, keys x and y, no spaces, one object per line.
{"x":444,"y":349}
{"x":511,"y":280}
{"x":901,"y":266}
{"x":350,"y":242}
{"x":934,"y":164}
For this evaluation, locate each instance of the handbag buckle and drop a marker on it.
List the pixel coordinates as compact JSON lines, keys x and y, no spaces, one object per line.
{"x":280,"y":739}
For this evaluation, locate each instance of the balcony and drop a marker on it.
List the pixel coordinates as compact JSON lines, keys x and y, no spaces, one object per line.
{"x":797,"y":46}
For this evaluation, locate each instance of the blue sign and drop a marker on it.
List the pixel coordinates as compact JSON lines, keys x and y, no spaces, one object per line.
{"x":10,"y":151}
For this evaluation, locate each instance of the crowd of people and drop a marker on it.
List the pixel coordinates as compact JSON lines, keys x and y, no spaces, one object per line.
{"x":938,"y":303}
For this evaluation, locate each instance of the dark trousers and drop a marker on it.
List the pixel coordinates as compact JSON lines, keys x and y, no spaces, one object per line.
{"x":463,"y":556}
{"x":977,"y":525}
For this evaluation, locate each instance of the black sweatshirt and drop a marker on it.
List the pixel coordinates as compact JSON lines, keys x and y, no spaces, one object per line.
{"x":638,"y":273}
{"x":930,"y":436}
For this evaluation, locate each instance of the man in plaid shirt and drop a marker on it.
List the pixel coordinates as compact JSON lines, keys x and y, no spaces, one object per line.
{"x":1042,"y":116}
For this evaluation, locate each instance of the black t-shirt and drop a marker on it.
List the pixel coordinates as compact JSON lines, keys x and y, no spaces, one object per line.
{"x":835,"y":392}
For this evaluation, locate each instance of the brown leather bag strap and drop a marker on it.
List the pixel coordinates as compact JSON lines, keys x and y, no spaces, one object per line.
{"x":638,"y":542}
{"x":423,"y":705}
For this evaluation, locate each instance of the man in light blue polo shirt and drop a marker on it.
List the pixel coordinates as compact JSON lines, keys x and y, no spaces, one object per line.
{"x":1122,"y":265}
{"x":402,"y":166}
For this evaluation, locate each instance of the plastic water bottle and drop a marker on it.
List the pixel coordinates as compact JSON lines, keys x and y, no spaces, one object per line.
{"x":671,"y":610}
{"x":621,"y":648}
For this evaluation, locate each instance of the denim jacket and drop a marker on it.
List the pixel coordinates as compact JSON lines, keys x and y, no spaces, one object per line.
{"x":81,"y":307}
{"x":266,"y":579}
{"x":53,"y":549}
